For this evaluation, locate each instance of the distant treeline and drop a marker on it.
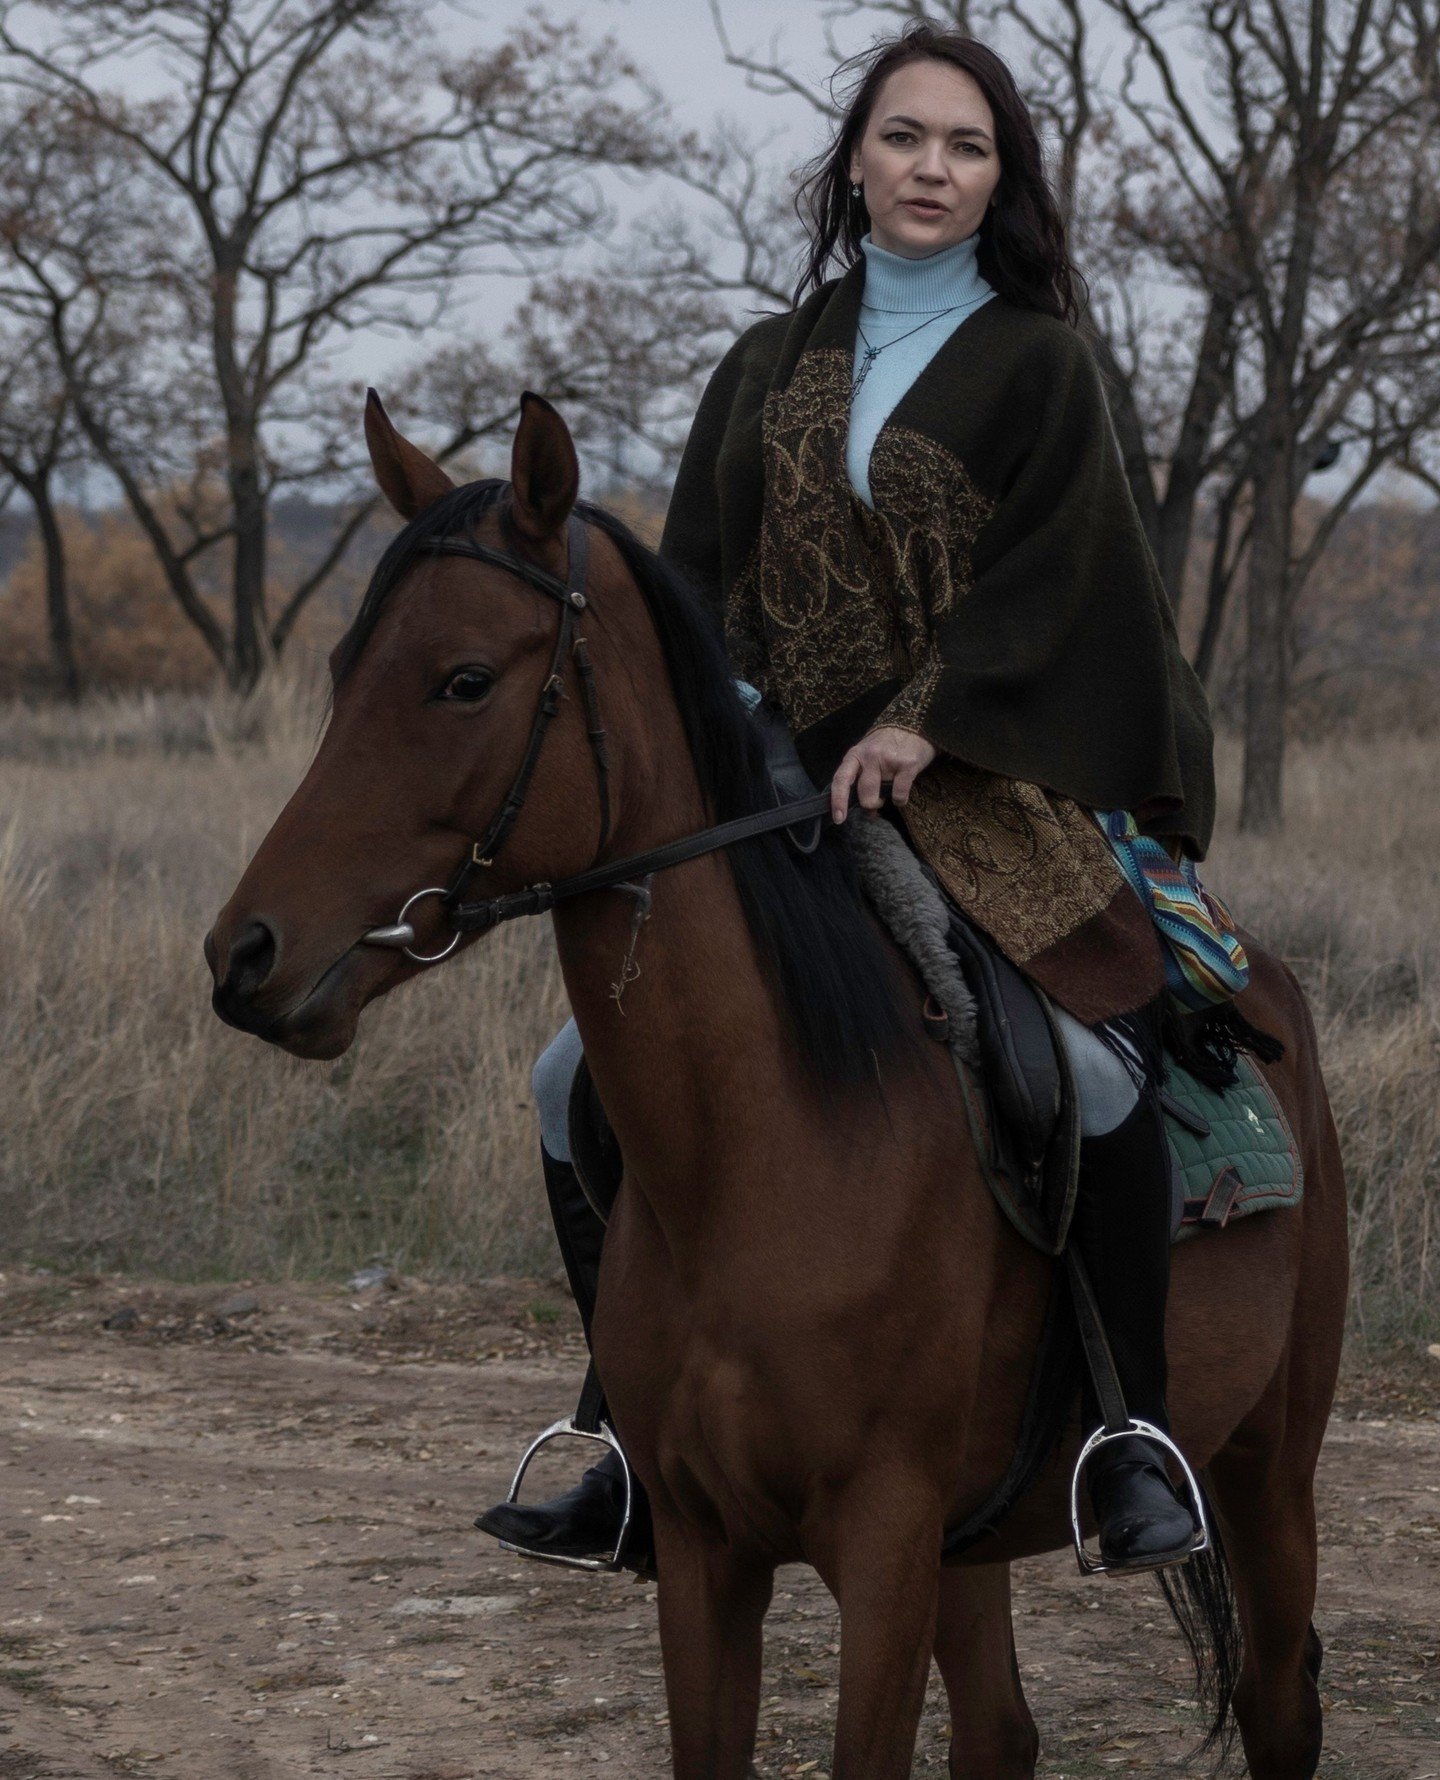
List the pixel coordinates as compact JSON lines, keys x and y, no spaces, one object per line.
{"x":1366,"y":630}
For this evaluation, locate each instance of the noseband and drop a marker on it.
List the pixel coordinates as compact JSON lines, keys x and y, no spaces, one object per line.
{"x":477,"y":917}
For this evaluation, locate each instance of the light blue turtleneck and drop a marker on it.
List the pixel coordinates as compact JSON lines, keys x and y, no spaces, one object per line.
{"x":898,"y":294}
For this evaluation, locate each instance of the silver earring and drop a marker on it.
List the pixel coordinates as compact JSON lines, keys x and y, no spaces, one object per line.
{"x":854,"y":191}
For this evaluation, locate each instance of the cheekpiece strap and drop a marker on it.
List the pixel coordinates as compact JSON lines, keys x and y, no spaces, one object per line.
{"x":570,"y":595}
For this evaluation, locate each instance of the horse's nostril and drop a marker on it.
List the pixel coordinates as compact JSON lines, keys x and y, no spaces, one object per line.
{"x":252,"y":958}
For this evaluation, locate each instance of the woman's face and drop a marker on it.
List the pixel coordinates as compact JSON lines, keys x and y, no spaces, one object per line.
{"x":930,"y":136}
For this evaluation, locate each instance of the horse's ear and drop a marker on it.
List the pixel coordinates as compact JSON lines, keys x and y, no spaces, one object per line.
{"x":544,"y":470}
{"x":408,"y":479}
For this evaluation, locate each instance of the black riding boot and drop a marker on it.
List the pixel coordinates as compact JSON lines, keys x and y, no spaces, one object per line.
{"x":585,"y":1521}
{"x":1122,"y":1225}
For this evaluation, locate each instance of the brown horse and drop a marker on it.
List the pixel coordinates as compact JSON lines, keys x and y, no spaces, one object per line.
{"x":814,"y":1327}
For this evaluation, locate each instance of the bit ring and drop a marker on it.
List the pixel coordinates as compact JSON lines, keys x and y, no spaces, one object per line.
{"x":426,"y":957}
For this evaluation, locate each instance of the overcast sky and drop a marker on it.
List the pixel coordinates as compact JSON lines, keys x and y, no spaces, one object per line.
{"x":676,"y":44}
{"x":677,"y":40}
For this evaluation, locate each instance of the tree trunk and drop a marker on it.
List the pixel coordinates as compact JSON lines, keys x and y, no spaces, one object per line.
{"x":58,"y":626}
{"x":1267,"y":611}
{"x":249,"y":650}
{"x":1188,"y":460}
{"x":1217,"y":590}
{"x":60,"y":632}
{"x":249,"y":638}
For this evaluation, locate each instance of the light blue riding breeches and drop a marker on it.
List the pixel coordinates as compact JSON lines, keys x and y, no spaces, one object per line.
{"x":1104,"y":1085}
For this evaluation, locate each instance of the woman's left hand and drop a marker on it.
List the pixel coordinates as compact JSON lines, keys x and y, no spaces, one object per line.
{"x":896,"y":754}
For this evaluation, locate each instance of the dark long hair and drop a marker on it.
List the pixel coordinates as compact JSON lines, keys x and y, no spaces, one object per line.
{"x":1021,"y":251}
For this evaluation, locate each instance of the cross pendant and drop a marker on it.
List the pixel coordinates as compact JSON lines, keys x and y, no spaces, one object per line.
{"x":871,"y":354}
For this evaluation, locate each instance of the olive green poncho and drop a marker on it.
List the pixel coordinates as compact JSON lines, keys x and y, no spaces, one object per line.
{"x":1001,"y":600}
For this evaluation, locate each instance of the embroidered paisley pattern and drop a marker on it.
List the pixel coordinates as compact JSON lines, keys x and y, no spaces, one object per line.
{"x":1028,"y":865}
{"x":835,"y":598}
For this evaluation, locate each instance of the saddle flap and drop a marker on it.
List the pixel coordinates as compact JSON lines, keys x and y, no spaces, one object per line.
{"x":1022,"y":1104}
{"x":1017,"y":1043}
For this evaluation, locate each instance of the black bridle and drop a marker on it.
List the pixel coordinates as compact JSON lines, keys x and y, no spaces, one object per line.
{"x":535,"y":899}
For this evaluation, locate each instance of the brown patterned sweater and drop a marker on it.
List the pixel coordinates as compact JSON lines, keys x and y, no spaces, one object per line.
{"x":1001,"y":600}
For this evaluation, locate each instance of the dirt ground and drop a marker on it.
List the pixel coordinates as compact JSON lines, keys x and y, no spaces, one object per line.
{"x":235,"y":1544}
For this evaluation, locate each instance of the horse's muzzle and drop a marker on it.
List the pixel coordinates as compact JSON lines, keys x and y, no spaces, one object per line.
{"x":319,"y":1022}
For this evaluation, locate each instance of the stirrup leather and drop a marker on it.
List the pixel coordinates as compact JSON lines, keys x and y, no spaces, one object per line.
{"x":1091,"y":1564}
{"x":605,"y":1435}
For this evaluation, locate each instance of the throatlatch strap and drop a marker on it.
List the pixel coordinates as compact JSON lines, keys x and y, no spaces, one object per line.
{"x":596,"y":731}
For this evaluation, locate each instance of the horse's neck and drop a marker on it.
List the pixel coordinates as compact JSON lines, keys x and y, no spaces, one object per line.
{"x":691,"y":1059}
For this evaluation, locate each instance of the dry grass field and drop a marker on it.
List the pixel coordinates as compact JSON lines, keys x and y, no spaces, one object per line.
{"x":142,"y":1134}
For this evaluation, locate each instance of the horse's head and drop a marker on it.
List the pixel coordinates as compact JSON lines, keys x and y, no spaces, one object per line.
{"x":436,"y":687}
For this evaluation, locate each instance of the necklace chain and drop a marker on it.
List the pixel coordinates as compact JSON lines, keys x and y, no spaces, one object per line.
{"x":873,"y":352}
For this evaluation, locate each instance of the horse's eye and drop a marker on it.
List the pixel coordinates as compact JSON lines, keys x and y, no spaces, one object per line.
{"x":468,"y":684}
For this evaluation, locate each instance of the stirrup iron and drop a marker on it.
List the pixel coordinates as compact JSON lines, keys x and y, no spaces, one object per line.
{"x":1091,"y":1564}
{"x":605,"y":1435}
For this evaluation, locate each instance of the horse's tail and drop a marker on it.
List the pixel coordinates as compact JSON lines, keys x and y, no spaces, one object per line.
{"x":1201,"y":1600}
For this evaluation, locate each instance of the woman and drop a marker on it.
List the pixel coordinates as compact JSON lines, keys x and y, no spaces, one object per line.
{"x":906,"y":500}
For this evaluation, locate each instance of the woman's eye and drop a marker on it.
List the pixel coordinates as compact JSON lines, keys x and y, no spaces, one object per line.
{"x":468,"y":684}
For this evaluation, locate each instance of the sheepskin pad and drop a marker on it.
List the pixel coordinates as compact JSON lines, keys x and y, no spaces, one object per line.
{"x":914,"y":911}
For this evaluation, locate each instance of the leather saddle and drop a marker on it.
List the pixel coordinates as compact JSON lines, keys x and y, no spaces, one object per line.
{"x":1029,"y":1131}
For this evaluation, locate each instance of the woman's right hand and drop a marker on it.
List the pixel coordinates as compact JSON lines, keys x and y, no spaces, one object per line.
{"x":888,"y":753}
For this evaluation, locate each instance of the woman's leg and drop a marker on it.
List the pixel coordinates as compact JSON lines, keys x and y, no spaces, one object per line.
{"x":1122,"y":1227}
{"x":578,"y":1230}
{"x":550,"y":1082}
{"x":585,"y":1520}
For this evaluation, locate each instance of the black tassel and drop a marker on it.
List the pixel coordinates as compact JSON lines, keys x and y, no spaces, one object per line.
{"x":1139,"y":1033}
{"x":1205,"y":1043}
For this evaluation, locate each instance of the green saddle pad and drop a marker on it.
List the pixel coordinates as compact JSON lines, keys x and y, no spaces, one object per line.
{"x":1248,"y":1162}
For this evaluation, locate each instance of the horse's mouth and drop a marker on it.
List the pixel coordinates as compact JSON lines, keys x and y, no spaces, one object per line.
{"x":321,"y":1025}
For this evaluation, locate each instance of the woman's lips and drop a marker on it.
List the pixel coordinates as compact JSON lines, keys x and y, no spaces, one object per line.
{"x":921,"y":208}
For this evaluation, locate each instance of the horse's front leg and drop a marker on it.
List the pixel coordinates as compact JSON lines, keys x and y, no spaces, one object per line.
{"x":992,"y":1735}
{"x":712,"y":1603}
{"x":881,"y":1560}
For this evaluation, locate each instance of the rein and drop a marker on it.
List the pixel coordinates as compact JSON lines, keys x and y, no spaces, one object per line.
{"x":536,"y":899}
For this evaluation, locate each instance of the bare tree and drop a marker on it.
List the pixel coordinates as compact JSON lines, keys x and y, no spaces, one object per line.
{"x":38,"y":441}
{"x":323,"y":169}
{"x":628,"y":341}
{"x":1312,"y":108}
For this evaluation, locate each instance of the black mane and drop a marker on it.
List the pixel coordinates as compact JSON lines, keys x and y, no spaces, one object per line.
{"x":840,"y":989}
